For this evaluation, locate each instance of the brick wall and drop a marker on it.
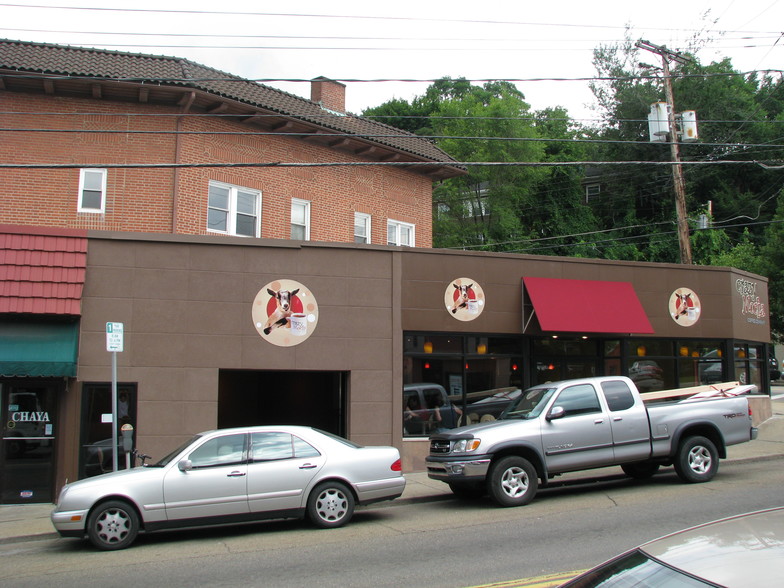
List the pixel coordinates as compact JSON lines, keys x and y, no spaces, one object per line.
{"x":169,"y":200}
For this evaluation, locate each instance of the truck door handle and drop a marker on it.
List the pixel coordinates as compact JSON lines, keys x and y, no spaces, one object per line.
{"x":235,"y":475}
{"x":308,"y":466}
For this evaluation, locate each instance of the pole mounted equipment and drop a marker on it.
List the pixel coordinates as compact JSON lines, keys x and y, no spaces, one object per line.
{"x":679,"y":184}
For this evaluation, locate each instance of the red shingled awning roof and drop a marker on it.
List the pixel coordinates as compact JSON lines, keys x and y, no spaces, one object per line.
{"x":42,"y":270}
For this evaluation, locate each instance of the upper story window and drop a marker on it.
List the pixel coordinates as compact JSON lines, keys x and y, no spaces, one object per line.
{"x":400,"y":233}
{"x":92,"y":190}
{"x":361,"y":227}
{"x":300,"y":219}
{"x":233,"y":210}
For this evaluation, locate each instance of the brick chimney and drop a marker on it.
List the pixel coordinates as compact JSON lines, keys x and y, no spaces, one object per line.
{"x":329,"y":93}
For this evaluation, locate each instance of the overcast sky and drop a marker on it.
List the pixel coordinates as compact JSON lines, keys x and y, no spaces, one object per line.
{"x":423,"y":40}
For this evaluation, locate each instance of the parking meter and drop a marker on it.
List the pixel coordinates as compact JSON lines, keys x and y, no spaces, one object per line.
{"x":127,"y":443}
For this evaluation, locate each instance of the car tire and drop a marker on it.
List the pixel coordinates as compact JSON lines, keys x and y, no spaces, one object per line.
{"x":113,"y":525}
{"x":330,"y":505}
{"x":697,"y":460}
{"x":512,"y":481}
{"x":468,"y":490}
{"x":640,"y":470}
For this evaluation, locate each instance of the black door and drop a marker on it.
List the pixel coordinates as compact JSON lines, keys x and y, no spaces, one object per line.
{"x":27,"y":465}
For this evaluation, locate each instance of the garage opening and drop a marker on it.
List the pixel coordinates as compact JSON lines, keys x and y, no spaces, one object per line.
{"x":270,"y":397}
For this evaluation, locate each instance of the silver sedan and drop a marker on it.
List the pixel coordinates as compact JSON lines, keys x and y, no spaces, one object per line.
{"x":232,"y":475}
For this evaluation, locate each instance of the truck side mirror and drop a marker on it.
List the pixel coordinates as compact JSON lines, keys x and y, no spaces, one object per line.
{"x":556,"y":412}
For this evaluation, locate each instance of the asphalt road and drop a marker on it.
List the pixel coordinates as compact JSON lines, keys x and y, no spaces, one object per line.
{"x":446,"y":543}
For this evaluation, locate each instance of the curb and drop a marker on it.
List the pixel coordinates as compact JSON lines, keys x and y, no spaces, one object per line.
{"x":427,"y":498}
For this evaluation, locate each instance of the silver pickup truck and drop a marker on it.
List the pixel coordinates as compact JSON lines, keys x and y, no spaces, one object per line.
{"x":582,"y":424}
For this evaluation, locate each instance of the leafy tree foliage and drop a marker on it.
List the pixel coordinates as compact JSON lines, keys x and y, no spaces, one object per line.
{"x":543,"y":209}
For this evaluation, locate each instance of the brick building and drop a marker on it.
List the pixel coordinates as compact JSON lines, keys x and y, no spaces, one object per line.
{"x":130,"y":142}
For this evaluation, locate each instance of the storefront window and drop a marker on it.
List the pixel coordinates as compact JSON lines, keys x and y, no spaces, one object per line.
{"x":453,"y":380}
{"x":748,"y":364}
{"x":700,"y":362}
{"x":564,"y":358}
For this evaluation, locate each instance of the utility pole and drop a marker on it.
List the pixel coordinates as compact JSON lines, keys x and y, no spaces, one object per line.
{"x":679,"y":184}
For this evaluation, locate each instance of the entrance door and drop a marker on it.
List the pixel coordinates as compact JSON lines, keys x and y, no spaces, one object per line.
{"x":311,"y":398}
{"x":27,"y":448}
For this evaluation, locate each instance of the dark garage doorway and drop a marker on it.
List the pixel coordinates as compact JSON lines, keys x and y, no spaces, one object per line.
{"x":271,"y":397}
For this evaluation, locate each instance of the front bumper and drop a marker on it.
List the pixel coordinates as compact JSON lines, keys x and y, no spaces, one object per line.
{"x":453,"y":469}
{"x":70,"y":523}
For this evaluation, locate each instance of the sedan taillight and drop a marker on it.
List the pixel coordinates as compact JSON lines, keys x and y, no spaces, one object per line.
{"x":396,"y":466}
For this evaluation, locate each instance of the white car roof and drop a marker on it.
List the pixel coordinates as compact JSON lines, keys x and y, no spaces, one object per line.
{"x":744,"y":550}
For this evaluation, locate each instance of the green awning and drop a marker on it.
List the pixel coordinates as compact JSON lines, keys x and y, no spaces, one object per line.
{"x":38,"y":348}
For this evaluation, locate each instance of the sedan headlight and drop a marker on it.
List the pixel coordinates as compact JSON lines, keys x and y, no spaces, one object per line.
{"x":466,"y":445}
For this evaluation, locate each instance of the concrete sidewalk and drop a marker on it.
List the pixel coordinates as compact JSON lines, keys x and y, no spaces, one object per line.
{"x":25,"y":522}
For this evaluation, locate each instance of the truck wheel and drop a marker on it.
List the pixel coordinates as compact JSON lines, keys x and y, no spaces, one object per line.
{"x":512,"y":481}
{"x":697,"y":460}
{"x":467,"y":490}
{"x":113,"y":525}
{"x":641,"y":470}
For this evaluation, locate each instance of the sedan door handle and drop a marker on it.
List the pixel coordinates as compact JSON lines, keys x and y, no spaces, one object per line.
{"x":308,"y":466}
{"x":235,"y":475}
{"x":598,"y":421}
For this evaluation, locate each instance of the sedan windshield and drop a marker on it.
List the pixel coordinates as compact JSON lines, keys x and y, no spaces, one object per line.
{"x":528,"y":405}
{"x":636,"y":569}
{"x":165,"y":460}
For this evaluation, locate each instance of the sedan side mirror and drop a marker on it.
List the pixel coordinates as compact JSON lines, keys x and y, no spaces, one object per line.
{"x":185,"y":465}
{"x":557,"y":412}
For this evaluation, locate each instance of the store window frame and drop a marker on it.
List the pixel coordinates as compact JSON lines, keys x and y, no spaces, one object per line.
{"x":465,"y":365}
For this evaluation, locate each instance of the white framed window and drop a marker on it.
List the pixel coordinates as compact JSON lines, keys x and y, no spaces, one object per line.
{"x":592,"y":191}
{"x":92,"y":190}
{"x":300,"y":219}
{"x":361,"y":227}
{"x":233,"y":210}
{"x":400,"y":233}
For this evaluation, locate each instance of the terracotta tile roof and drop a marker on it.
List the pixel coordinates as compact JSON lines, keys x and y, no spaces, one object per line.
{"x":156,"y":71}
{"x":42,"y":271}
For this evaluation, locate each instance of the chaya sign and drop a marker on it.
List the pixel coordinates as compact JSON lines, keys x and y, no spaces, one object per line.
{"x":685,"y":307}
{"x":464,"y":299}
{"x":285,"y":313}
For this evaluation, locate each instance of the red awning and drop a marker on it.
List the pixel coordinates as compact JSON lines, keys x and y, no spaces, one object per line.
{"x":586,"y":306}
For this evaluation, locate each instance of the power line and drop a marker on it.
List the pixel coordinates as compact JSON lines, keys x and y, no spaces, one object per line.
{"x":404,"y":164}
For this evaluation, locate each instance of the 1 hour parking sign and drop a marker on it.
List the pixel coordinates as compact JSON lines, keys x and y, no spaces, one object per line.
{"x":114,"y":336}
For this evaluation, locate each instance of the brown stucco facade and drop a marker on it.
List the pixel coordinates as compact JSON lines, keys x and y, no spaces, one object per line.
{"x":191,"y":345}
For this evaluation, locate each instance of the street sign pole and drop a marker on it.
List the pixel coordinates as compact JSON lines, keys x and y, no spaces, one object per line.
{"x":114,"y":344}
{"x":114,"y":411}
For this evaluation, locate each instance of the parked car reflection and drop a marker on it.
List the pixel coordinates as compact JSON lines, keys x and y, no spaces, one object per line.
{"x":647,"y":375}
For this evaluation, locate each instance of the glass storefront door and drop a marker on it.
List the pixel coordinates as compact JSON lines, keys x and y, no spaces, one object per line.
{"x":28,"y":412}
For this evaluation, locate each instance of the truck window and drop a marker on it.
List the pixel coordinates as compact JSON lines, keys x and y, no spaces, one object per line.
{"x":617,"y":395}
{"x":580,"y":399}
